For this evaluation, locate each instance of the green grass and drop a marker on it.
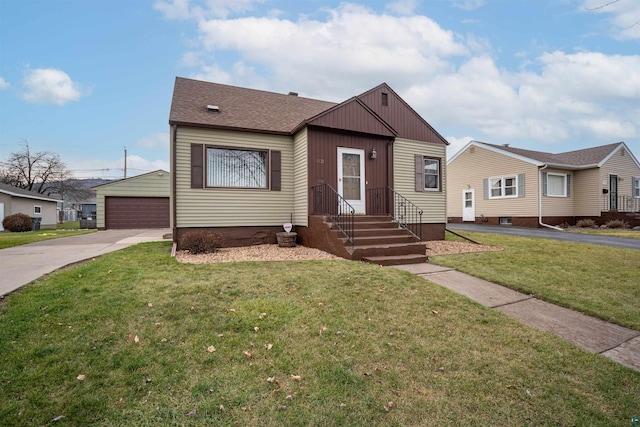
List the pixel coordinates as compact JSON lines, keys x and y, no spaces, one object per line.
{"x":598,"y":280}
{"x":9,"y":240}
{"x":628,"y":234}
{"x":358,"y":335}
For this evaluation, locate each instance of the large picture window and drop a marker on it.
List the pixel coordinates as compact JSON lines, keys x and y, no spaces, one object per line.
{"x":237,"y":168}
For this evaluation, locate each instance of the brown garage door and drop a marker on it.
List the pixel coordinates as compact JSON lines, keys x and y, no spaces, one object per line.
{"x":136,"y":212}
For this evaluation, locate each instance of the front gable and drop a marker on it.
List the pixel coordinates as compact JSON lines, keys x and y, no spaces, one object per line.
{"x":352,"y":115}
{"x":408,"y":124}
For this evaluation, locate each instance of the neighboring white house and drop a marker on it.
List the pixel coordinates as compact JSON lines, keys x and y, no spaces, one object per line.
{"x":15,"y":200}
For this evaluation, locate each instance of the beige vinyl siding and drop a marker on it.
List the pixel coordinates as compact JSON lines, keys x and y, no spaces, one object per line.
{"x":222,"y":207}
{"x":433,"y":203}
{"x":559,"y":206}
{"x":587,"y":192}
{"x":300,"y":182}
{"x":152,"y":184}
{"x":468,"y":171}
{"x":624,"y":167}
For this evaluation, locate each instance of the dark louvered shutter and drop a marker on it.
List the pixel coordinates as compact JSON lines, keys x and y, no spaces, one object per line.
{"x":197,"y":166}
{"x":276,"y":170}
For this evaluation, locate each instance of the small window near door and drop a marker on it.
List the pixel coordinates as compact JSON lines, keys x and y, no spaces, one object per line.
{"x":37,"y":210}
{"x":636,"y":187}
{"x":506,"y":220}
{"x":431,"y":174}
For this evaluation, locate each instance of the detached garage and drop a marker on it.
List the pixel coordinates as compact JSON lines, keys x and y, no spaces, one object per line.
{"x":138,"y":202}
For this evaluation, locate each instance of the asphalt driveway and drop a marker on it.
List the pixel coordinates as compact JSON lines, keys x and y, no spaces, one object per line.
{"x":548,"y":233}
{"x":24,"y":264}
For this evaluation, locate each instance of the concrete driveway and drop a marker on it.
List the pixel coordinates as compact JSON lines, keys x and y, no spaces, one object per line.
{"x":548,"y":233}
{"x":24,"y":264}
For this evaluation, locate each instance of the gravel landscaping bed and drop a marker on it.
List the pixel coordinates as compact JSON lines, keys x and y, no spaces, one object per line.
{"x":276,"y":253}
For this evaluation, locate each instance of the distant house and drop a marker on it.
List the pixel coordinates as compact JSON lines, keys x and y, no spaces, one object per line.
{"x":246,"y":161}
{"x":141,"y":201}
{"x":15,"y":200}
{"x":499,"y":184}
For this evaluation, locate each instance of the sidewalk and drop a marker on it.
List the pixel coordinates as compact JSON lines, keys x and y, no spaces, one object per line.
{"x":596,"y":336}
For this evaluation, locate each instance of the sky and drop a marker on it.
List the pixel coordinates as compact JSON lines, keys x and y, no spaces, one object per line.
{"x":89,"y":79}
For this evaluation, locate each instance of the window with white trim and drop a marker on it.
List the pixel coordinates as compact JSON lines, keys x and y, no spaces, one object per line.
{"x":237,"y":168}
{"x":556,"y":185}
{"x":37,"y":210}
{"x":503,"y":186}
{"x":431,"y":174}
{"x":636,"y":187}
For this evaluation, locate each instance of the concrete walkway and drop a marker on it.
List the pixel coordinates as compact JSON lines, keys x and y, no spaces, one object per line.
{"x":596,"y":336}
{"x":23,"y":264}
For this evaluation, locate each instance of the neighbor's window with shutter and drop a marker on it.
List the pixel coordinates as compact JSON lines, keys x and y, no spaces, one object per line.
{"x":556,"y":184}
{"x":503,"y":186}
{"x":236,"y":168}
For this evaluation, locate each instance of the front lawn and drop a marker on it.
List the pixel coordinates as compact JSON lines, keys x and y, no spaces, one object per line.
{"x":613,"y":232}
{"x":598,"y":280}
{"x":9,"y":240}
{"x":135,"y":338}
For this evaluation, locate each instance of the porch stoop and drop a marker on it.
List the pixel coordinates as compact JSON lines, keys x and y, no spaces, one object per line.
{"x":379,"y":240}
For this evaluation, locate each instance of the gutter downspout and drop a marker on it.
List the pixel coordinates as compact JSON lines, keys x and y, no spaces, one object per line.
{"x":540,"y":184}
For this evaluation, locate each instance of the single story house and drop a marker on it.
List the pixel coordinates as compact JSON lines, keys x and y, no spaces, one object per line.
{"x":141,"y":201}
{"x":248,"y":161}
{"x":15,"y":200}
{"x":500,"y":184}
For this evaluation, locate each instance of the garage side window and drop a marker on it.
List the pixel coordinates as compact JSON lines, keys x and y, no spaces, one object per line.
{"x":37,"y":210}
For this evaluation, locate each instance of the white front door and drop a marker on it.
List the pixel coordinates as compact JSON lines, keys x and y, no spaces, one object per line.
{"x":468,"y":205}
{"x":351,"y":177}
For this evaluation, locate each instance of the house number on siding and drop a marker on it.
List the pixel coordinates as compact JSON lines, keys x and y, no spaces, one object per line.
{"x":321,"y":161}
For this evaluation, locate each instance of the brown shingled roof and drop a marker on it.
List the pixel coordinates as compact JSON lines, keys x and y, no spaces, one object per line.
{"x":240,"y":108}
{"x":584,"y":157}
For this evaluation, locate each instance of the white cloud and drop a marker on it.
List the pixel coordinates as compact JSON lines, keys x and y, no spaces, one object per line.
{"x":337,"y":52}
{"x":183,"y":9}
{"x":403,"y":7}
{"x":452,"y":80}
{"x":623,"y":16}
{"x":157,"y":140}
{"x":50,"y":86}
{"x":456,"y":144}
{"x":468,"y":4}
{"x":4,"y":84}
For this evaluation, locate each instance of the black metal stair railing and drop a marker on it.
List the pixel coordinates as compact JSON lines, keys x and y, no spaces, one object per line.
{"x":327,"y":201}
{"x":387,"y":201}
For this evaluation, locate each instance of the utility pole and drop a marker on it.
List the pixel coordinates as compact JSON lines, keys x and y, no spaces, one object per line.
{"x":125,"y":162}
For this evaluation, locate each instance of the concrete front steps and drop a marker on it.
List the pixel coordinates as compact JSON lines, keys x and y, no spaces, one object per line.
{"x":379,"y":240}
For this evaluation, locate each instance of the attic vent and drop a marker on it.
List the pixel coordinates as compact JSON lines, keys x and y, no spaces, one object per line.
{"x":213,"y":108}
{"x":293,"y":93}
{"x":385,"y":99}
{"x":472,"y":150}
{"x":622,"y":153}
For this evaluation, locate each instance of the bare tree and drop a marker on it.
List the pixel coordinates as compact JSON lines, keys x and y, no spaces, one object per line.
{"x":42,"y":172}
